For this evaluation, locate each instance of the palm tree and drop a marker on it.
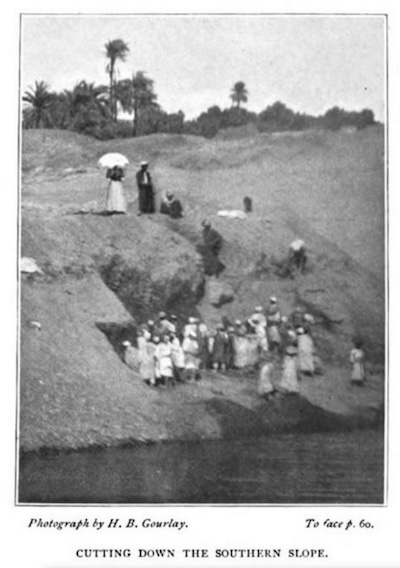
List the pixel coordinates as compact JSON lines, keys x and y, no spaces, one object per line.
{"x":116,"y":50}
{"x":85,"y":106}
{"x":239,"y":93}
{"x":135,"y":95}
{"x":40,"y":98}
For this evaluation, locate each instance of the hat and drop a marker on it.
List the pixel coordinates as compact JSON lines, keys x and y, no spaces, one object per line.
{"x":162,"y":315}
{"x":258,"y":309}
{"x":220,"y":326}
{"x":192,"y":320}
{"x":156,"y":339}
{"x":300,"y":330}
{"x":284,"y":319}
{"x":273,"y":299}
{"x":126,"y":343}
{"x":150,"y":322}
{"x":238,"y":322}
{"x":206,"y":223}
{"x":192,"y":335}
{"x":144,"y":163}
{"x":173,"y":317}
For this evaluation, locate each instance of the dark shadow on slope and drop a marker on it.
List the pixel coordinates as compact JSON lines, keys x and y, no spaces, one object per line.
{"x":143,"y":298}
{"x":296,"y":414}
{"x":117,"y":333}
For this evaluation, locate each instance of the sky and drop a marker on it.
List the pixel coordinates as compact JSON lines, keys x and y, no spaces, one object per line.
{"x":309,"y":63}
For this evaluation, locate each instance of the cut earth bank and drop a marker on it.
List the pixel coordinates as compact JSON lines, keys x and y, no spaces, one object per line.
{"x":104,"y":275}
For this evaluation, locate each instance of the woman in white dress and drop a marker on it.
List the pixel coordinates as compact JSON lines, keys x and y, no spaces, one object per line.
{"x":115,"y":199}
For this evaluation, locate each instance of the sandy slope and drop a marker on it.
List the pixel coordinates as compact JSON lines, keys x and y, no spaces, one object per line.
{"x":327,"y":188}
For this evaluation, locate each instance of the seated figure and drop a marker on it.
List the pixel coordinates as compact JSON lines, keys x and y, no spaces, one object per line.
{"x":171,"y":206}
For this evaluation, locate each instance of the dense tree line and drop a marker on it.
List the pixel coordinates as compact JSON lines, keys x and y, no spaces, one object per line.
{"x":93,"y":109}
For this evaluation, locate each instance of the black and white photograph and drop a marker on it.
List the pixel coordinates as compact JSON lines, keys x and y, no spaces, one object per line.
{"x":202,"y":265}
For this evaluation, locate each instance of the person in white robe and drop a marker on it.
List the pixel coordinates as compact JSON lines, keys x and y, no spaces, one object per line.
{"x":190,"y":346}
{"x":163,"y":355}
{"x":265,"y":383}
{"x":146,"y":358}
{"x":178,"y":357}
{"x":357,"y":357}
{"x":258,"y":325}
{"x":289,"y":380}
{"x":305,"y":353}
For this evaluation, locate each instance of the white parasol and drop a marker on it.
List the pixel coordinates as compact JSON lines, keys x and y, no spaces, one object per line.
{"x":113,"y":159}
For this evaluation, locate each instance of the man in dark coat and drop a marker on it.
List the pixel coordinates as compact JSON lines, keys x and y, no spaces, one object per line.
{"x":146,"y":190}
{"x":297,"y":255}
{"x":212,"y":239}
{"x":212,"y":244}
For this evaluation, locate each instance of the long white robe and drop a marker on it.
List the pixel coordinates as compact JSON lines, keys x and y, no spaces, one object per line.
{"x":265,"y":384}
{"x":357,"y":361}
{"x":115,"y":199}
{"x":163,"y":356}
{"x":305,"y":354}
{"x":289,"y":382}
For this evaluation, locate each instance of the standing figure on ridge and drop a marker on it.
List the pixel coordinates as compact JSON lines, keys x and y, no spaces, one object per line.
{"x":115,"y":199}
{"x":146,"y":190}
{"x":297,"y":255}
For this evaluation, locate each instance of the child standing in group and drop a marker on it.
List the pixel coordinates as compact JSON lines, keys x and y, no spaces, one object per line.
{"x":357,"y":357}
{"x":178,"y":357}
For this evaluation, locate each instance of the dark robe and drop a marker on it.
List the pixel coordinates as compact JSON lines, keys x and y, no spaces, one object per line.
{"x":172,"y":207}
{"x":230,"y":350}
{"x":212,"y":240}
{"x":212,"y":244}
{"x":146,"y":192}
{"x":220,"y":347}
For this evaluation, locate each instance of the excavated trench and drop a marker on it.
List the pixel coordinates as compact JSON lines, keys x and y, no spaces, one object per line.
{"x":143,"y":297}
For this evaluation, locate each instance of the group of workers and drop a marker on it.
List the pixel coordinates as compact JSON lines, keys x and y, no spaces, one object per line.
{"x":169,"y":352}
{"x":167,"y":355}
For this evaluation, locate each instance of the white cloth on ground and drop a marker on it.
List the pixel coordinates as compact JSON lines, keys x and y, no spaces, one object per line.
{"x":232,"y":214}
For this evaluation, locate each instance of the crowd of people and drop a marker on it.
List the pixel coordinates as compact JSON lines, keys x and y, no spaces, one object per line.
{"x":169,"y":352}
